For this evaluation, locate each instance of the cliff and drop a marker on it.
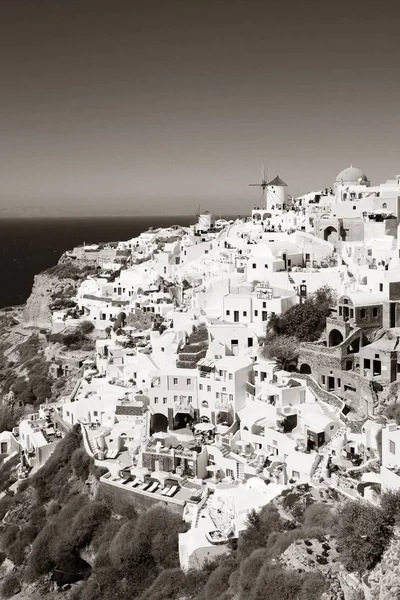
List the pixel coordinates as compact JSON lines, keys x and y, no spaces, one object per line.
{"x":37,"y":312}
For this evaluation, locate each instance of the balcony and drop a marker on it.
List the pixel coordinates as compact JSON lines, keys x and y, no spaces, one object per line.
{"x":184,"y":407}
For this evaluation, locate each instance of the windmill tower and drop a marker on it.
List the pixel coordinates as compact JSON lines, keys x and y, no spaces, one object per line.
{"x":205,"y":220}
{"x":263,"y":187}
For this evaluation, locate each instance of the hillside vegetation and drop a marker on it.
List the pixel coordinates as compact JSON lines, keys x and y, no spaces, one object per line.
{"x":57,"y":523}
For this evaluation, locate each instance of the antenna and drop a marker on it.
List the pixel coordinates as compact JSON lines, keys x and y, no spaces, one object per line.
{"x":263,"y":185}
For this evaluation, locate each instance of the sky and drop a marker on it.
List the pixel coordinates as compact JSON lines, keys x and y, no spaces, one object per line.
{"x":159,"y":106}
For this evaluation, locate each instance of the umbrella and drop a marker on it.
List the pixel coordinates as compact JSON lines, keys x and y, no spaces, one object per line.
{"x":261,"y":452}
{"x":161,"y":435}
{"x":204,"y":427}
{"x":212,"y":468}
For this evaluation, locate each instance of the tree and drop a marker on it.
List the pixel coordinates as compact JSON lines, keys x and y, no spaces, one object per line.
{"x":393,"y":412}
{"x":363,"y":534}
{"x":86,"y":327}
{"x":259,"y":527}
{"x":305,"y":321}
{"x":283,"y":349}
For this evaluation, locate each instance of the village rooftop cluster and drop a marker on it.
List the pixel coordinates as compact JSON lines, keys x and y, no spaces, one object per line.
{"x":179,"y":401}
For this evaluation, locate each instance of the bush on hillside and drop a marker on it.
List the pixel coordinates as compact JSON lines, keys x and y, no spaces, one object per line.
{"x":363,"y":534}
{"x":305,"y":321}
{"x":81,"y":463}
{"x":260,"y":525}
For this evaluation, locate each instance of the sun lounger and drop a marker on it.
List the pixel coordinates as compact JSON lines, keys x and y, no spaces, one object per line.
{"x":127,"y":480}
{"x":135,"y":482}
{"x":153,"y":487}
{"x":172,"y":491}
{"x":145,"y":485}
{"x":165,"y":490}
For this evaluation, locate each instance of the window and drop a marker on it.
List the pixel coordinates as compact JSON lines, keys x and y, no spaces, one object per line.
{"x":209,"y":388}
{"x":175,"y":398}
{"x":228,"y":312}
{"x":217,"y":395}
{"x":188,"y":382}
{"x":256,"y":313}
{"x":340,"y":311}
{"x":230,"y":376}
{"x":275,"y":443}
{"x":200,"y":386}
{"x":190,"y":398}
{"x":155,"y":400}
{"x":254,"y":266}
{"x":351,"y":313}
{"x":354,"y":207}
{"x":220,"y":373}
{"x":175,"y":381}
{"x":230,"y":397}
{"x":375,"y":312}
{"x":266,"y":266}
{"x":392,"y":447}
{"x":362,"y":313}
{"x":339,"y":383}
{"x":376,"y":355}
{"x":95,"y":413}
{"x":331,"y":427}
{"x":245,"y":313}
{"x":164,"y":400}
{"x":381,"y":287}
{"x":229,"y":473}
{"x":249,"y":342}
{"x":323,"y":379}
{"x":367,"y":363}
{"x":264,"y":305}
{"x":295,"y":475}
{"x":369,"y":252}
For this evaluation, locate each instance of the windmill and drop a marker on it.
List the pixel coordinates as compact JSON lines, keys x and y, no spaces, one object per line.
{"x":263,"y":185}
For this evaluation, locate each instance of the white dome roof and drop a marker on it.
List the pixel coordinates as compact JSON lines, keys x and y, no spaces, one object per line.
{"x":351,"y":175}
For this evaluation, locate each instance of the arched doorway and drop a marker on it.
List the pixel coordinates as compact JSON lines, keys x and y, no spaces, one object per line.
{"x":224,"y":418}
{"x":331,"y":234}
{"x":158,"y":422}
{"x":305,"y":368}
{"x":182,"y":419}
{"x":335,"y":338}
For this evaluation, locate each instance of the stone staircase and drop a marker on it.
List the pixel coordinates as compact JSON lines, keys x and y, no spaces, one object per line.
{"x":325,"y":452}
{"x":320,"y":393}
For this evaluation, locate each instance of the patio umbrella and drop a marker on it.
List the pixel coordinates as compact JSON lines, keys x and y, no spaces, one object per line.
{"x":261,"y":452}
{"x":204,"y":427}
{"x":242,"y":443}
{"x":161,"y":435}
{"x":212,"y":468}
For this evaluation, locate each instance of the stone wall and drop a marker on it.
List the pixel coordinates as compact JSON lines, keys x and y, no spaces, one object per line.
{"x":119,"y":496}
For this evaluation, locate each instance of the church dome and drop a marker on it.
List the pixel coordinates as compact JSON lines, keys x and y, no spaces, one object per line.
{"x":351,"y":175}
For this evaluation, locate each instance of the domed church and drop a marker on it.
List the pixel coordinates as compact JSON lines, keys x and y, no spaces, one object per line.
{"x":351,"y":176}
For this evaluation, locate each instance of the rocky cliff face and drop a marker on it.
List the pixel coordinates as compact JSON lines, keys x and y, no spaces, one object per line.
{"x":36,"y":312}
{"x":383,"y":583}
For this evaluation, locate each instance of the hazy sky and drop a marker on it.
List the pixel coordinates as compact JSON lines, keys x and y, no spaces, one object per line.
{"x":157,"y":106}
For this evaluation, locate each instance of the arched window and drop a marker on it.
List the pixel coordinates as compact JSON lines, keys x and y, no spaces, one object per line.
{"x":204,"y":404}
{"x":384,"y":205}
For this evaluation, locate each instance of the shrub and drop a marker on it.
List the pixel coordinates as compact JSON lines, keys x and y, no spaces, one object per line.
{"x":363,"y":534}
{"x":11,"y":586}
{"x":319,"y":515}
{"x":82,"y":463}
{"x":259,"y":527}
{"x":40,"y":560}
{"x":249,"y":570}
{"x":86,"y":327}
{"x":218,"y":580}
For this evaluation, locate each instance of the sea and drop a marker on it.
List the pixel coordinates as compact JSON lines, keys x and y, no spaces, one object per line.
{"x":29,"y":246}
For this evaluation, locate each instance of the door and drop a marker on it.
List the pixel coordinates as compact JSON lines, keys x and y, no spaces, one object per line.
{"x":3,"y":448}
{"x":265,"y":315}
{"x":236,"y":316}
